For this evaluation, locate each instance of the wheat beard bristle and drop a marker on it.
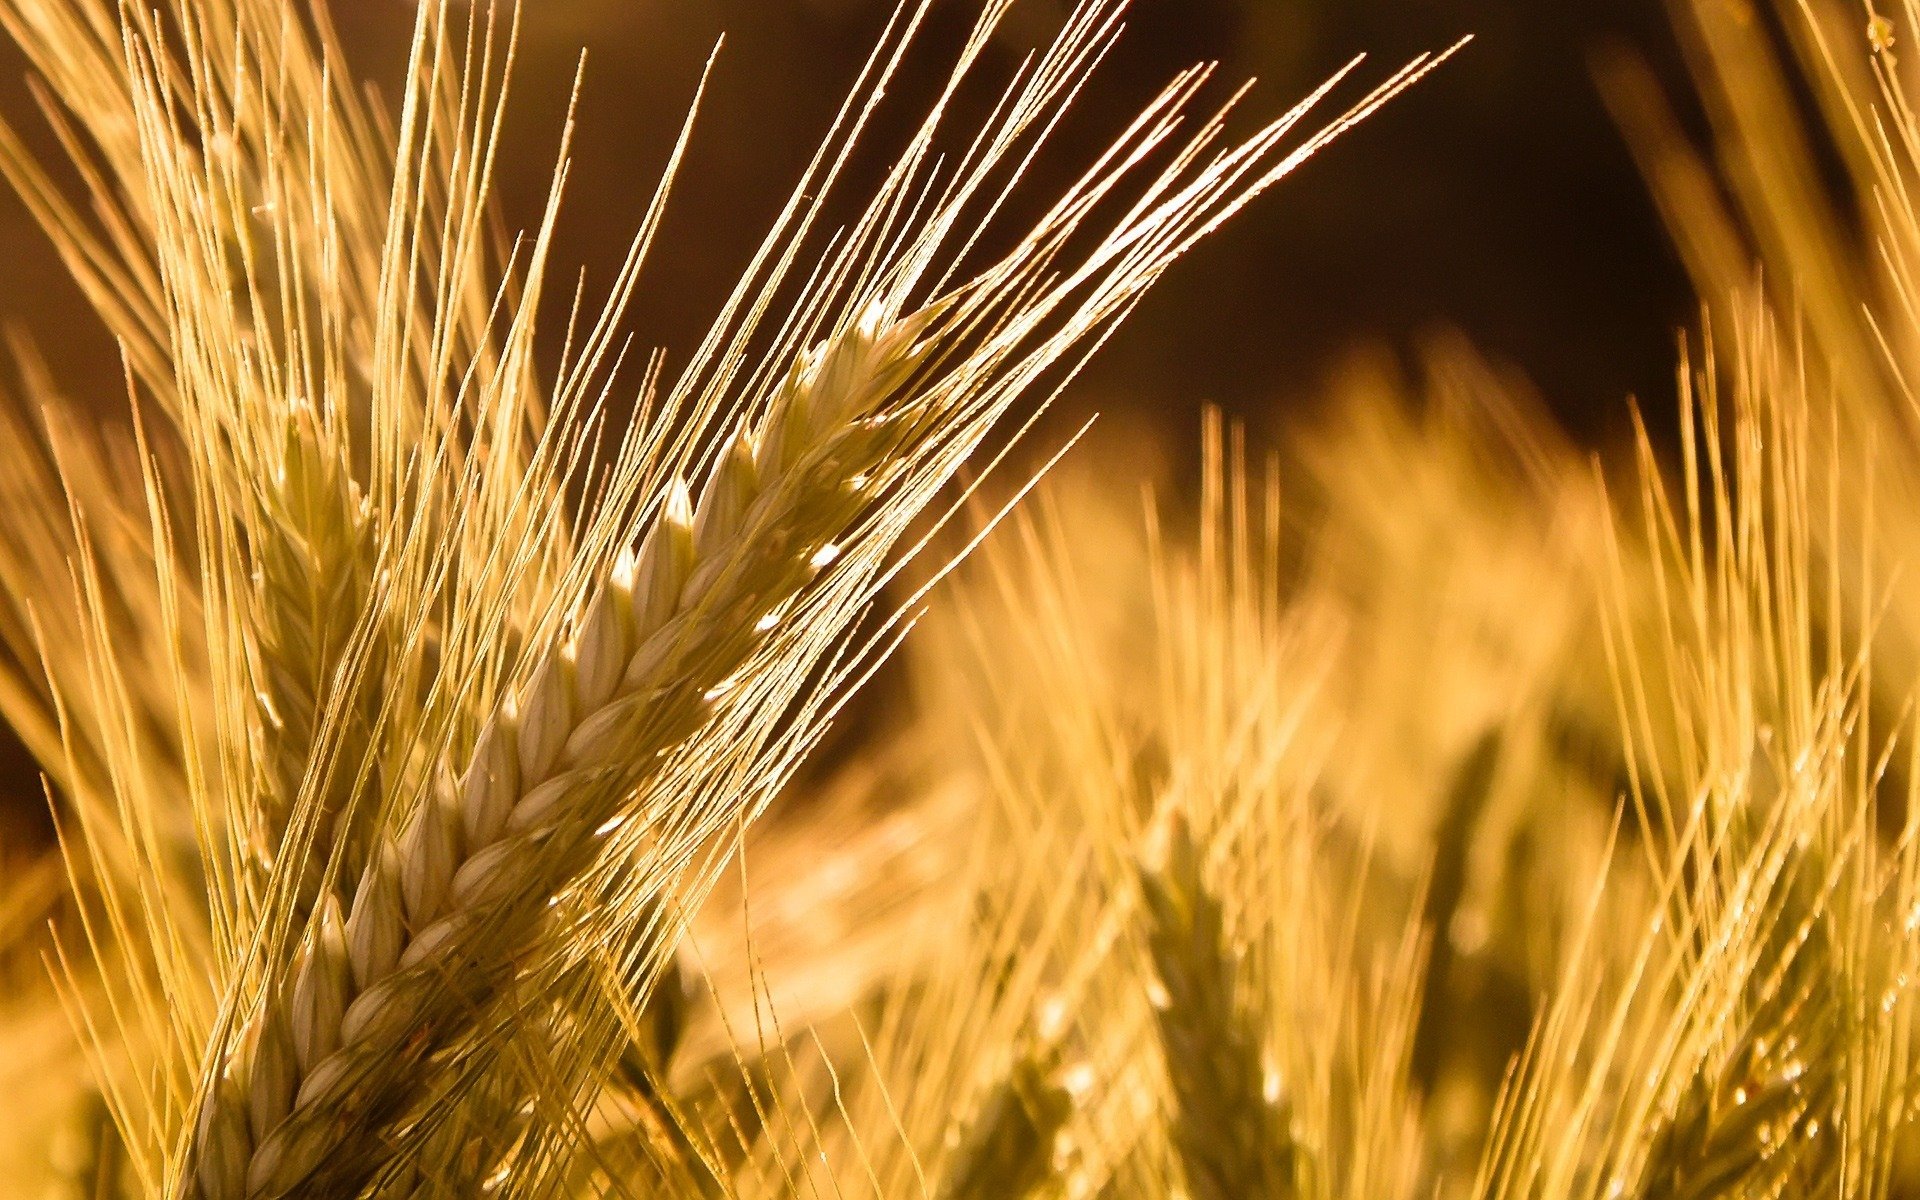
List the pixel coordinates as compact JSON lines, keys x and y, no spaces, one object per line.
{"x":442,"y":909}
{"x":1735,"y":1134}
{"x":1763,"y":1122}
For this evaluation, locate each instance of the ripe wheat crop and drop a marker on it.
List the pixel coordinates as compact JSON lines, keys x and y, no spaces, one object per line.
{"x":442,"y":710}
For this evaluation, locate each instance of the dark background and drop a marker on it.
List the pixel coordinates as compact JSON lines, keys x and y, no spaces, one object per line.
{"x":1497,"y":197}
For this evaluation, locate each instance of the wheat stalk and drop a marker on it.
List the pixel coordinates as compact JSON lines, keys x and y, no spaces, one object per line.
{"x":443,"y":908}
{"x":1229,"y":1131}
{"x":652,"y":1128}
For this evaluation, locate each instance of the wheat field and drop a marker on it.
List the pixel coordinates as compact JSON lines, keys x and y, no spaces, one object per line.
{"x":458,"y":762}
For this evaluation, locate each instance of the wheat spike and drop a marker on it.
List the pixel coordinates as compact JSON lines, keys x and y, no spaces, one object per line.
{"x":1007,"y":1151}
{"x":1764,"y":1119}
{"x":1726,"y":1139}
{"x":1762,"y":1122}
{"x":313,"y":573}
{"x":1230,"y":1134}
{"x":437,"y":917}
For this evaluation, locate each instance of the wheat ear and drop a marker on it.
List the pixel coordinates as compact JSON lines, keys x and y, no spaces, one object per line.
{"x":313,"y":572}
{"x":1007,"y":1152}
{"x":1764,"y":1122}
{"x":1717,"y":1145}
{"x":1231,"y":1135}
{"x":442,"y":910}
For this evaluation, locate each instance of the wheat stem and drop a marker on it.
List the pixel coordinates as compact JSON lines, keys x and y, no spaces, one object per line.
{"x":1446,"y":892}
{"x":443,"y":909}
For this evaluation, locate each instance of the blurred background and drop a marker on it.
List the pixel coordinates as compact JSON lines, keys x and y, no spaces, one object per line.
{"x":1497,"y":198}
